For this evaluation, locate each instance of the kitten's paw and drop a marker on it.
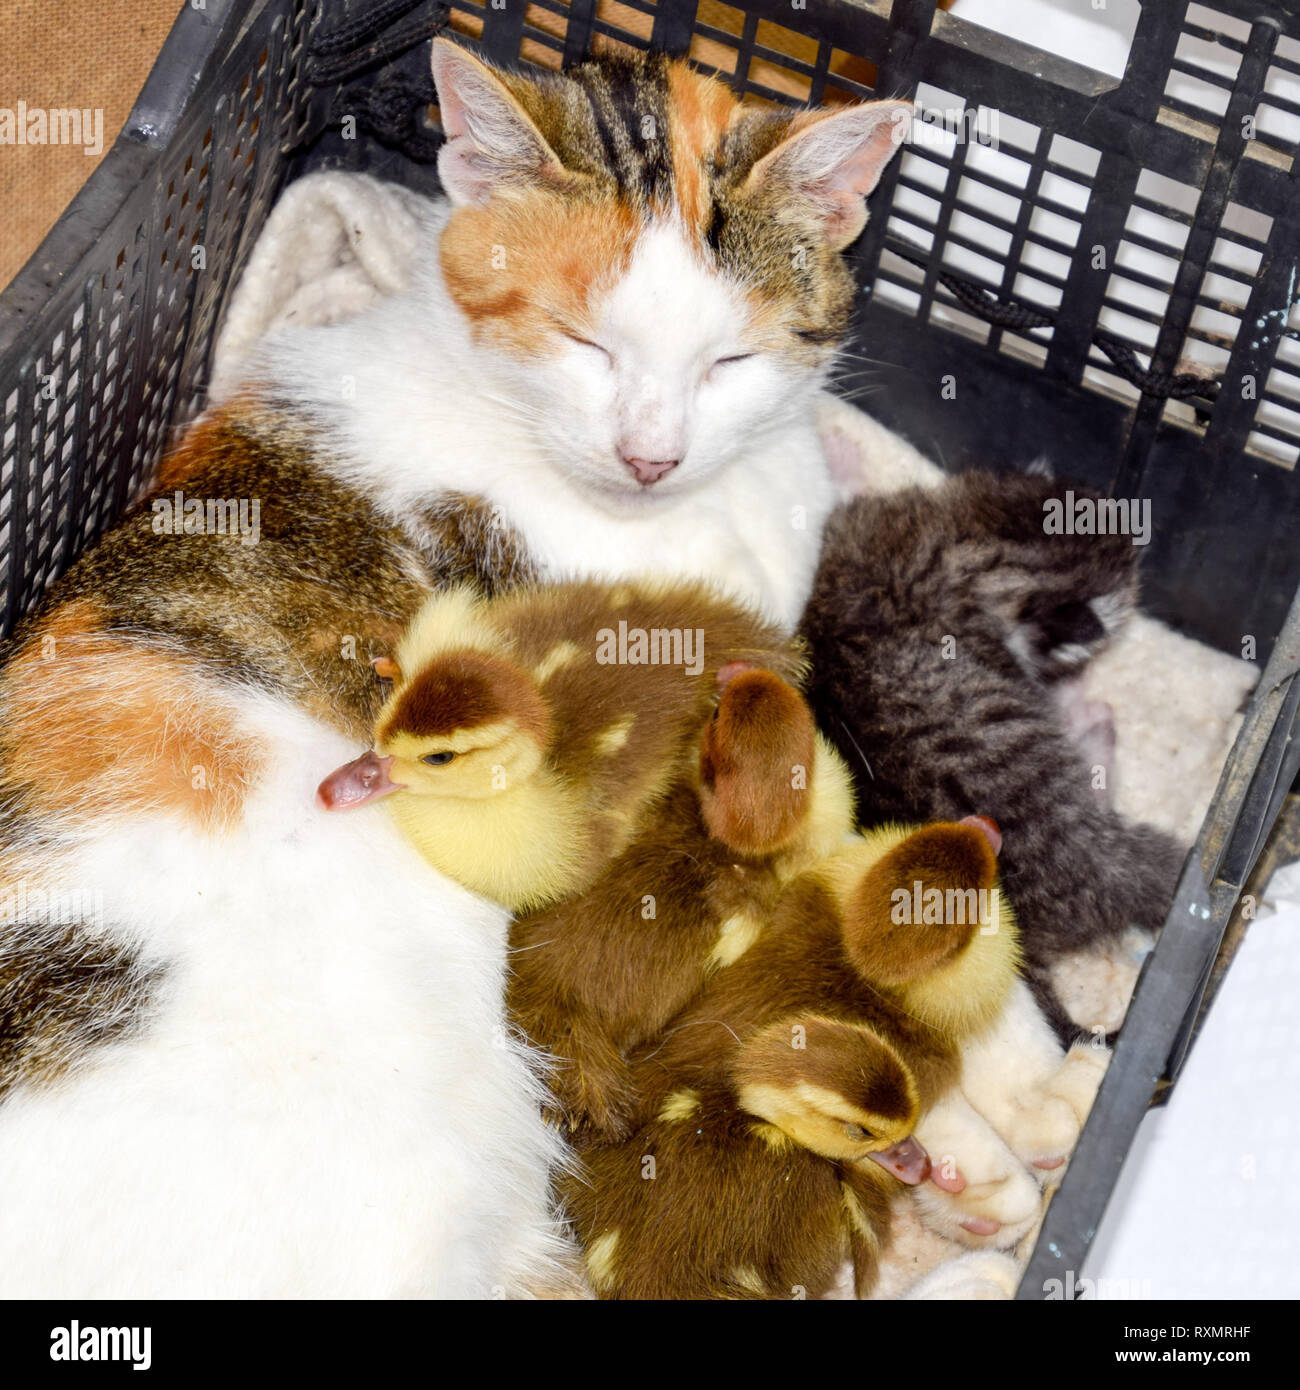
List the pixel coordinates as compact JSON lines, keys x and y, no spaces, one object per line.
{"x":982,"y":1275}
{"x":1096,"y":984}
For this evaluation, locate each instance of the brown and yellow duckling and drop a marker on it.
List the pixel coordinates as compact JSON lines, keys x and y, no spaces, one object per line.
{"x":794,"y":1065}
{"x":711,"y":1201}
{"x":525,"y":734}
{"x":598,"y":974}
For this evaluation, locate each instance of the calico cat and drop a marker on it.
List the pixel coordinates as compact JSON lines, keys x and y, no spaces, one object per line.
{"x":253,"y":1051}
{"x":224,"y":1022}
{"x":621,"y":326}
{"x":947,"y":632}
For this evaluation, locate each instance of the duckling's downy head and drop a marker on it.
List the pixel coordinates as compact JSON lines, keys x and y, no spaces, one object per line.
{"x":463,"y":738}
{"x":837,"y":1089}
{"x":467,"y":724}
{"x":754,"y":761}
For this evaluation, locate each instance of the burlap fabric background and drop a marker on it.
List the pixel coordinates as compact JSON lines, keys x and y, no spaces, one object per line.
{"x":64,"y":53}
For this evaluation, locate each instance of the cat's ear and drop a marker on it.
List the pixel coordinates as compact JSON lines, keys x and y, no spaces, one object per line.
{"x":832,"y":160}
{"x":491,"y":141}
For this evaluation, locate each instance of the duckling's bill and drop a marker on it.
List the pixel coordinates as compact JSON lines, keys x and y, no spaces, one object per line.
{"x":363,"y":779}
{"x":906,"y":1160}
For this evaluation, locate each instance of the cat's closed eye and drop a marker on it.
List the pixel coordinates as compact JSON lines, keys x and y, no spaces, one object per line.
{"x":587,"y":343}
{"x":722,"y":363}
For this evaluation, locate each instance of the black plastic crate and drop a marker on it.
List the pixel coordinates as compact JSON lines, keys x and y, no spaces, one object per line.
{"x":106,"y":335}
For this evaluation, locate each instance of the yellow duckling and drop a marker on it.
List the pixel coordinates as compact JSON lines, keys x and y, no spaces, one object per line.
{"x":527,"y":733}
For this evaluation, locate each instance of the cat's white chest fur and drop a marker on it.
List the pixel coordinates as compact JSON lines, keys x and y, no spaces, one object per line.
{"x":755,"y":534}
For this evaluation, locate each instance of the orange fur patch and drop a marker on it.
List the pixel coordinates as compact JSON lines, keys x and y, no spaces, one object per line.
{"x":701,"y":111}
{"x":207,"y":438}
{"x":96,"y":726}
{"x":526,"y":268}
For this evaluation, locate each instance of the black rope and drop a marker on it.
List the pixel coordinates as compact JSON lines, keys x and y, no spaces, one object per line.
{"x":393,"y":111}
{"x":391,"y":107}
{"x":1017,"y":316}
{"x":1003,"y":313}
{"x":1179,"y":385}
{"x":344,"y":37}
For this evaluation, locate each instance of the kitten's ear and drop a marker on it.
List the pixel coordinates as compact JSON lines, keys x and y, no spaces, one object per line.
{"x":833,"y":160}
{"x":491,"y":140}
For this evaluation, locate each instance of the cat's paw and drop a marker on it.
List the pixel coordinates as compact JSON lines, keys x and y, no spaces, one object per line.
{"x":1044,"y":1135}
{"x":981,"y":1275}
{"x":1045,"y":1126}
{"x":979,"y":1193}
{"x":1080,"y":1076}
{"x":994,"y":1214}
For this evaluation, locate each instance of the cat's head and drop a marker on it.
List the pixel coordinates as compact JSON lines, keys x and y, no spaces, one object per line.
{"x":655,"y":269}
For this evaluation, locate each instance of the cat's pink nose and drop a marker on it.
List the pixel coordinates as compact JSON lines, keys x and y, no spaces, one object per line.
{"x":649,"y":471}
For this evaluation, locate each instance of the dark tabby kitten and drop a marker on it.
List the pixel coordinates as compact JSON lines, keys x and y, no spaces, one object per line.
{"x":946,"y":627}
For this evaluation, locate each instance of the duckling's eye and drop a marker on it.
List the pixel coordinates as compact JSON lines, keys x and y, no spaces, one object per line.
{"x":856,"y":1131}
{"x":438,"y":759}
